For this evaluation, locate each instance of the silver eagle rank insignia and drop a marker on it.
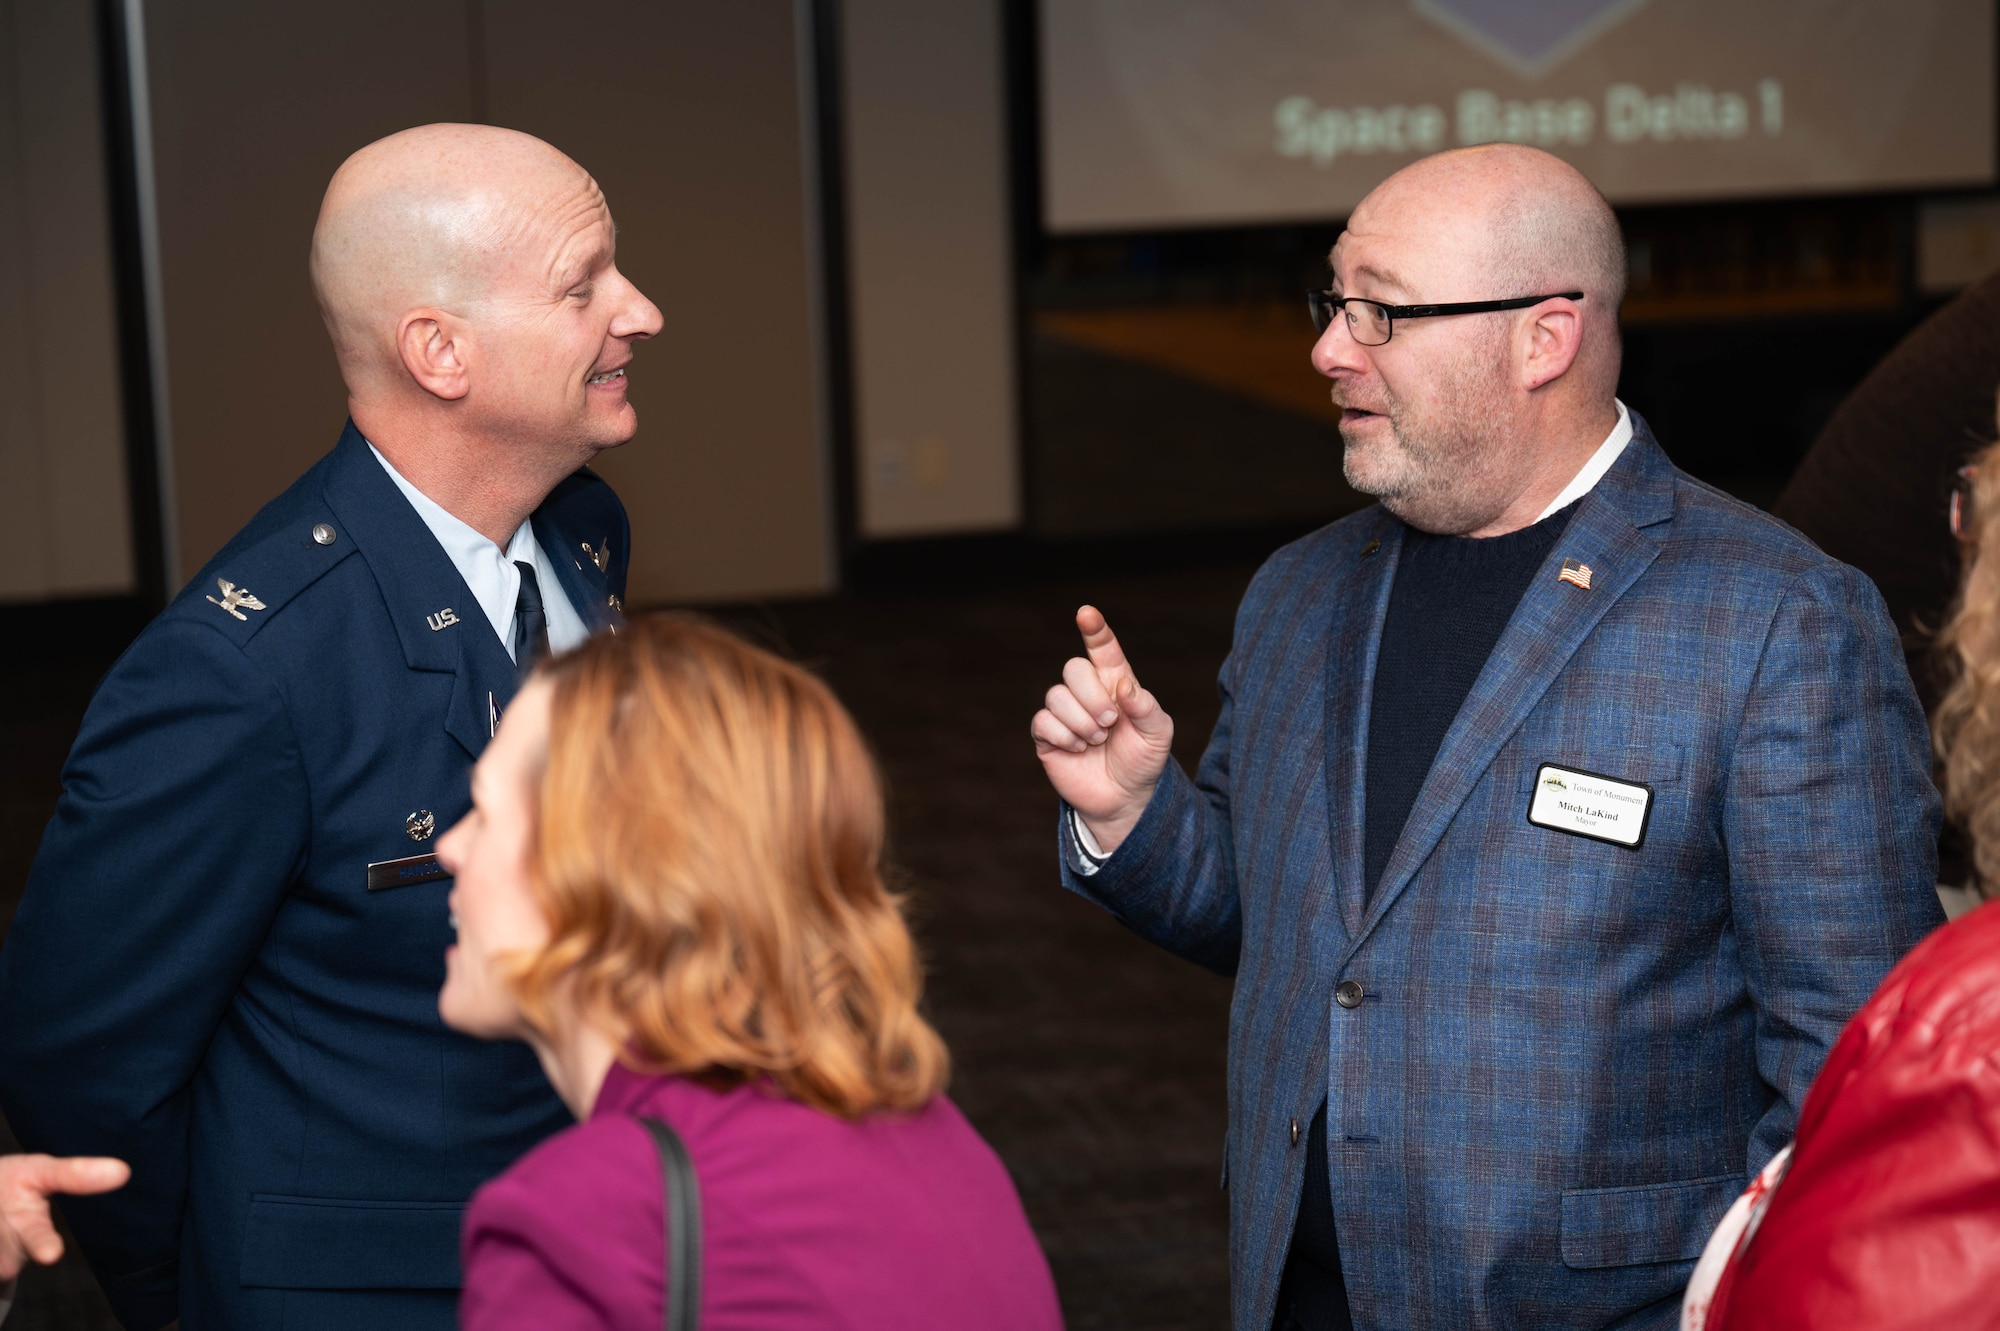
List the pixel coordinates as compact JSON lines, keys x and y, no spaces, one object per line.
{"x":234,"y":596}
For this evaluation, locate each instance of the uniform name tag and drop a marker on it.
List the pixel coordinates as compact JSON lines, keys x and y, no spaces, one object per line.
{"x":399,"y":873}
{"x":1588,"y":805}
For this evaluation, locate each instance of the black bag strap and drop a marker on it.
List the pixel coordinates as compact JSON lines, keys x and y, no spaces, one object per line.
{"x":681,"y":1304}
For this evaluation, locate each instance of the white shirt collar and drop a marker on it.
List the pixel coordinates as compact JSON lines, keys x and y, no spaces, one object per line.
{"x":489,"y":571}
{"x":1600,"y":462}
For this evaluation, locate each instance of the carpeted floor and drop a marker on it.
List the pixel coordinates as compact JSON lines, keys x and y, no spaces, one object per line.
{"x":1092,"y":1061}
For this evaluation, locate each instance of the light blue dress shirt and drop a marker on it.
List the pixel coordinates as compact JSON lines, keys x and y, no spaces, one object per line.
{"x":489,"y":571}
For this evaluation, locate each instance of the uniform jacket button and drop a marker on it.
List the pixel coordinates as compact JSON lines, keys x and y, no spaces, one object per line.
{"x":1348,"y":993}
{"x":322,"y":534}
{"x":1295,"y":1132}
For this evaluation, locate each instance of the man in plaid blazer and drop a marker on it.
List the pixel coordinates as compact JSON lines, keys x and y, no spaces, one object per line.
{"x":1560,"y":811}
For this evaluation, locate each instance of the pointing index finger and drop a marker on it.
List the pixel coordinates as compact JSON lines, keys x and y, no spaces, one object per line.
{"x":1099,"y":642}
{"x":36,"y":1176}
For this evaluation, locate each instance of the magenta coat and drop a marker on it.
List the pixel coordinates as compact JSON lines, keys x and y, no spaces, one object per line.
{"x":809,"y":1221}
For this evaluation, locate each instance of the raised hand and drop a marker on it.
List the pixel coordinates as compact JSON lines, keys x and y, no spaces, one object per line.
{"x":1102,"y":738}
{"x":26,"y":1229}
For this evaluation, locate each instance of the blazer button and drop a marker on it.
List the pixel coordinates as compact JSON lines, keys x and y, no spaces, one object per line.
{"x":1347,"y":993}
{"x":1295,"y":1132}
{"x":323,"y":534}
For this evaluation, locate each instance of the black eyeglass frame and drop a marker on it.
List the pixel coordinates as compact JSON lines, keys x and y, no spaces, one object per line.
{"x":1321,"y":304}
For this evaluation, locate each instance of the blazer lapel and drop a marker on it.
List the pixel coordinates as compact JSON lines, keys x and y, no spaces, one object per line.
{"x":440,"y":625}
{"x":1354,"y":641}
{"x":1608,"y":533}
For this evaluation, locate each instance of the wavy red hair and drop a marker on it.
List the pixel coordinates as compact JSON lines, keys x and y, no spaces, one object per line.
{"x":708,"y":853}
{"x":1966,"y":724}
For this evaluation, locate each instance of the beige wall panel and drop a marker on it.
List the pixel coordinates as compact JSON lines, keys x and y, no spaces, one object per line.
{"x":65,"y":526}
{"x":930,"y":267}
{"x":690,"y":118}
{"x":254,"y":105}
{"x":688,"y":114}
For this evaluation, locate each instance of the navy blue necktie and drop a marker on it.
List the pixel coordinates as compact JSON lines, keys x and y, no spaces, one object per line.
{"x":531,"y":622}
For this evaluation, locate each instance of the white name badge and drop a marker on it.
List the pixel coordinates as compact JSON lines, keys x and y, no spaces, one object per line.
{"x":1588,"y":805}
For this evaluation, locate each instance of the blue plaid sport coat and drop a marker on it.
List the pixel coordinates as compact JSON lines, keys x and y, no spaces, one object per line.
{"x":1569,"y":1055}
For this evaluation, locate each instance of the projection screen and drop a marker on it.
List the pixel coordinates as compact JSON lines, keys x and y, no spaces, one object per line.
{"x":1181,"y":113}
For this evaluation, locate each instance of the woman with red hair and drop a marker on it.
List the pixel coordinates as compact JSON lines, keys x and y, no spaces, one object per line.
{"x":669,"y":885}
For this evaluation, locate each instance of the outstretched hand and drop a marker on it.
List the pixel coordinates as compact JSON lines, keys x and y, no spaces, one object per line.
{"x":27,"y":1231}
{"x":1102,"y":738}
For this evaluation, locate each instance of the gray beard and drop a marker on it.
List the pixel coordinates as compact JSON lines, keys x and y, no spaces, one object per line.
{"x":1451,"y":481}
{"x":1447,"y":485}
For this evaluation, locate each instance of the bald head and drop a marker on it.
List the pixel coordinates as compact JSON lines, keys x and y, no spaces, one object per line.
{"x":1503,"y":220}
{"x":469,"y":279}
{"x":435,"y":217}
{"x":1541,"y":221}
{"x":1468,"y":421}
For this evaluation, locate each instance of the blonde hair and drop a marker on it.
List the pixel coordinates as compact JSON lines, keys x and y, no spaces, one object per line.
{"x":708,"y":853}
{"x":1966,"y":725}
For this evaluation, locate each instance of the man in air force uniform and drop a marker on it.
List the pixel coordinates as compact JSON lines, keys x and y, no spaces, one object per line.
{"x":225,"y":969}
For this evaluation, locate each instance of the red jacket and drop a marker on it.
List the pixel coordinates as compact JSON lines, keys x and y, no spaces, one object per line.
{"x":1889,"y":1214}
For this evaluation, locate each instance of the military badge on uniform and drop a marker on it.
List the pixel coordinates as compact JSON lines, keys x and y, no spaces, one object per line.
{"x":442,"y":620}
{"x":420,"y":825}
{"x":601,"y":556}
{"x":234,"y":596}
{"x":400,"y":873}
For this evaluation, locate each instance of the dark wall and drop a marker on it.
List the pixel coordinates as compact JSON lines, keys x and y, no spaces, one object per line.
{"x":1745,"y":327}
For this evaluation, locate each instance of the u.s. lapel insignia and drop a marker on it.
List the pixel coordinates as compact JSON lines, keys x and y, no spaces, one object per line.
{"x":601,"y":556}
{"x":234,"y":596}
{"x":1576,"y":573}
{"x":442,"y":620}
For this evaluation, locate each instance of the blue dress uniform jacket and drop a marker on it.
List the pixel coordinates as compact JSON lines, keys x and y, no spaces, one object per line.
{"x":1558,"y":1059}
{"x":200,"y":979}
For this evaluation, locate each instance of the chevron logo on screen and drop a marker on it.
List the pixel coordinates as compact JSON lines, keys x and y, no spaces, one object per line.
{"x":1528,"y":36}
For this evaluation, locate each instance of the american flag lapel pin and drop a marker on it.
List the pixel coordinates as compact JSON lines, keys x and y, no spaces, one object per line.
{"x":1575,"y":572}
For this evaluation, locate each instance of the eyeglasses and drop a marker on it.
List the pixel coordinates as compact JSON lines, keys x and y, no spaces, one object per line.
{"x":1371,"y":323}
{"x":1964,"y":522}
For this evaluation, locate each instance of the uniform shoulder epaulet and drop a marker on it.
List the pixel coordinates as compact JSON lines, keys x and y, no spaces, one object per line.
{"x":264,"y":568}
